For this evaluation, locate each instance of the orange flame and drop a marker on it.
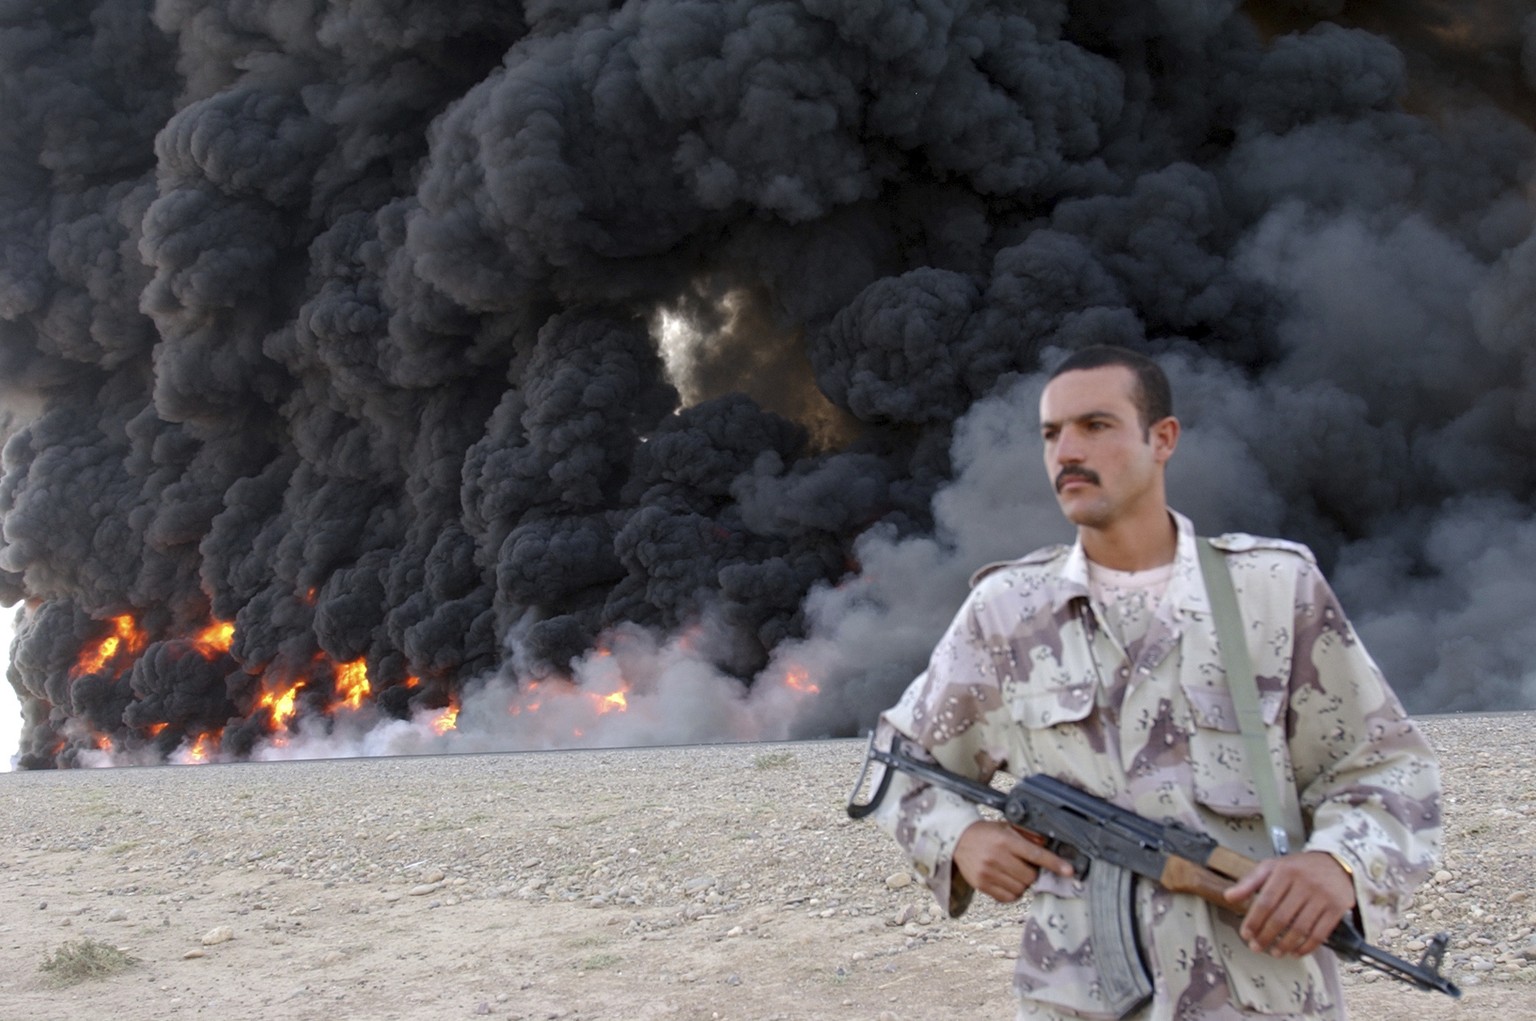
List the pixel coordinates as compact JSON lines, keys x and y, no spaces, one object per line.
{"x":215,"y":639}
{"x":617,"y":701}
{"x":518,"y":708}
{"x":352,"y":684}
{"x":799,"y":679}
{"x":201,"y":748}
{"x":125,"y":637}
{"x":534,"y":695}
{"x":281,"y":704}
{"x":447,"y":720}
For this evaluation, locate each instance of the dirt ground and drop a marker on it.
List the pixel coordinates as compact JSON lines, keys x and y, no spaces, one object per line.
{"x":691,"y":883}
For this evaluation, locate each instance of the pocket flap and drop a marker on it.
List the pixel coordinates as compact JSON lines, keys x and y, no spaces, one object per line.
{"x":1214,"y":708}
{"x":1040,"y":709}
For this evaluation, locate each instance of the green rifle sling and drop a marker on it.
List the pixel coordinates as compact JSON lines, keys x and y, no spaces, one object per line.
{"x":1285,"y":827}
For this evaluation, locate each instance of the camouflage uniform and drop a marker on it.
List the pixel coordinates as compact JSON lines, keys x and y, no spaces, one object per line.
{"x":1028,"y":680}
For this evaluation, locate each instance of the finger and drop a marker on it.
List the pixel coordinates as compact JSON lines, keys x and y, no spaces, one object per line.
{"x":1009,"y":870}
{"x":1272,"y":914}
{"x":1041,"y":857}
{"x":1008,"y":882}
{"x":1287,"y":944}
{"x":1295,"y":937}
{"x":1257,"y":918}
{"x":1307,"y":946}
{"x":1305,"y":929}
{"x":1276,"y":936}
{"x":1249,"y":885}
{"x":1309,"y":913}
{"x":1317,"y":925}
{"x":1030,"y":847}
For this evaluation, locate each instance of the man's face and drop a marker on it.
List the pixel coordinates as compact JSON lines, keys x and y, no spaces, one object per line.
{"x":1101,"y":461}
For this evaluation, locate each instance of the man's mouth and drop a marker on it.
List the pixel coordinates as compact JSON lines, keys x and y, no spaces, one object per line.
{"x":1069,"y":475}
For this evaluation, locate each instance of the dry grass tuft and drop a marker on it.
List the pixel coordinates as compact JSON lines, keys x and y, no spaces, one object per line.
{"x":83,"y":960}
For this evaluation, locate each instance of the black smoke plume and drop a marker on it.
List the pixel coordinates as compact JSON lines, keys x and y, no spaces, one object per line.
{"x":542,"y":356}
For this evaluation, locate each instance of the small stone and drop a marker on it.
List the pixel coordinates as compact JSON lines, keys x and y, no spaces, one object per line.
{"x":116,"y":915}
{"x":221,"y":934}
{"x":898,"y":880}
{"x":425,"y":888}
{"x":1442,"y":877}
{"x":193,"y":955}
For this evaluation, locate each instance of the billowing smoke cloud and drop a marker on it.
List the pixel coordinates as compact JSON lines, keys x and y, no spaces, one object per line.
{"x":397,"y":376}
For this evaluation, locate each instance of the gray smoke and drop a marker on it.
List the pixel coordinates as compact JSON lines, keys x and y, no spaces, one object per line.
{"x":532,"y":355}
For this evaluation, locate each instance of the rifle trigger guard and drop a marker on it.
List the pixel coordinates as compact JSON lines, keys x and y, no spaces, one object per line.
{"x":1082,"y":863}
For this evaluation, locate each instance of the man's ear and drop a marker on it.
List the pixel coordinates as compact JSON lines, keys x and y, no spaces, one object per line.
{"x":1164,"y":437}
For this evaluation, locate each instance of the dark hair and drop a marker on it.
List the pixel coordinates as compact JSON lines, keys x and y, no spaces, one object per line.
{"x":1152,"y":395}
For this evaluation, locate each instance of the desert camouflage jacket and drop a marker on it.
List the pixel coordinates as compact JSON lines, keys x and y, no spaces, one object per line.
{"x":1028,"y":680}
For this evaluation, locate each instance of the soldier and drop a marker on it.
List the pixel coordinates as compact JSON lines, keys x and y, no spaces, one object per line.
{"x":1098,"y":664}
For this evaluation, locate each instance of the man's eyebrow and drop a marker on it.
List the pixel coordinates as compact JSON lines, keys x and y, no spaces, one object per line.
{"x":1084,"y":417}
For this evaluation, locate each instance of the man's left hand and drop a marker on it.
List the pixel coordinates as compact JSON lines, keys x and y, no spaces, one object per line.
{"x":1297,"y":902}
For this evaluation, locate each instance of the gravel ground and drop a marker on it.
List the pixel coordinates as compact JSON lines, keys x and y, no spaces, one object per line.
{"x":700,"y":882}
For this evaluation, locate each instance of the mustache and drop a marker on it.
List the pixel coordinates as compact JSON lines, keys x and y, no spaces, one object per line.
{"x":1086,"y":474}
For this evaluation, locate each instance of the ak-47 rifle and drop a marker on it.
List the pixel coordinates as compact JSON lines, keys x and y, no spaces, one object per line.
{"x":1108,"y":846}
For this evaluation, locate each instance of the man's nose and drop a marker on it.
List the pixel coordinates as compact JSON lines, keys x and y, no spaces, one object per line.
{"x":1068,"y":449}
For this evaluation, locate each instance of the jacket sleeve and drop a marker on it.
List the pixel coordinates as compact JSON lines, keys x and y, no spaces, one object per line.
{"x":1366,"y":777}
{"x":945,"y":714}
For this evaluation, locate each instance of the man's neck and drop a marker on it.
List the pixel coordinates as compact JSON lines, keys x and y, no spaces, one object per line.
{"x":1133,"y":545}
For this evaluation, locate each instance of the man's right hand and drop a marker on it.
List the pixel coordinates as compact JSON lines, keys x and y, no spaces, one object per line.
{"x":1002,"y":861}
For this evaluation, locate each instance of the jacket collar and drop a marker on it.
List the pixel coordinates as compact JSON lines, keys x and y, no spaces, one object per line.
{"x":1186,"y":589}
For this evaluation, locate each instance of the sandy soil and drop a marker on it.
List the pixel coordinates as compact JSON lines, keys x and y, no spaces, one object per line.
{"x":691,"y":883}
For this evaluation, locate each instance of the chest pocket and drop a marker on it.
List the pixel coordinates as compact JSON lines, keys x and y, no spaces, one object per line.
{"x":1221,"y":775}
{"x":1053,"y":706}
{"x":1058,"y":734}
